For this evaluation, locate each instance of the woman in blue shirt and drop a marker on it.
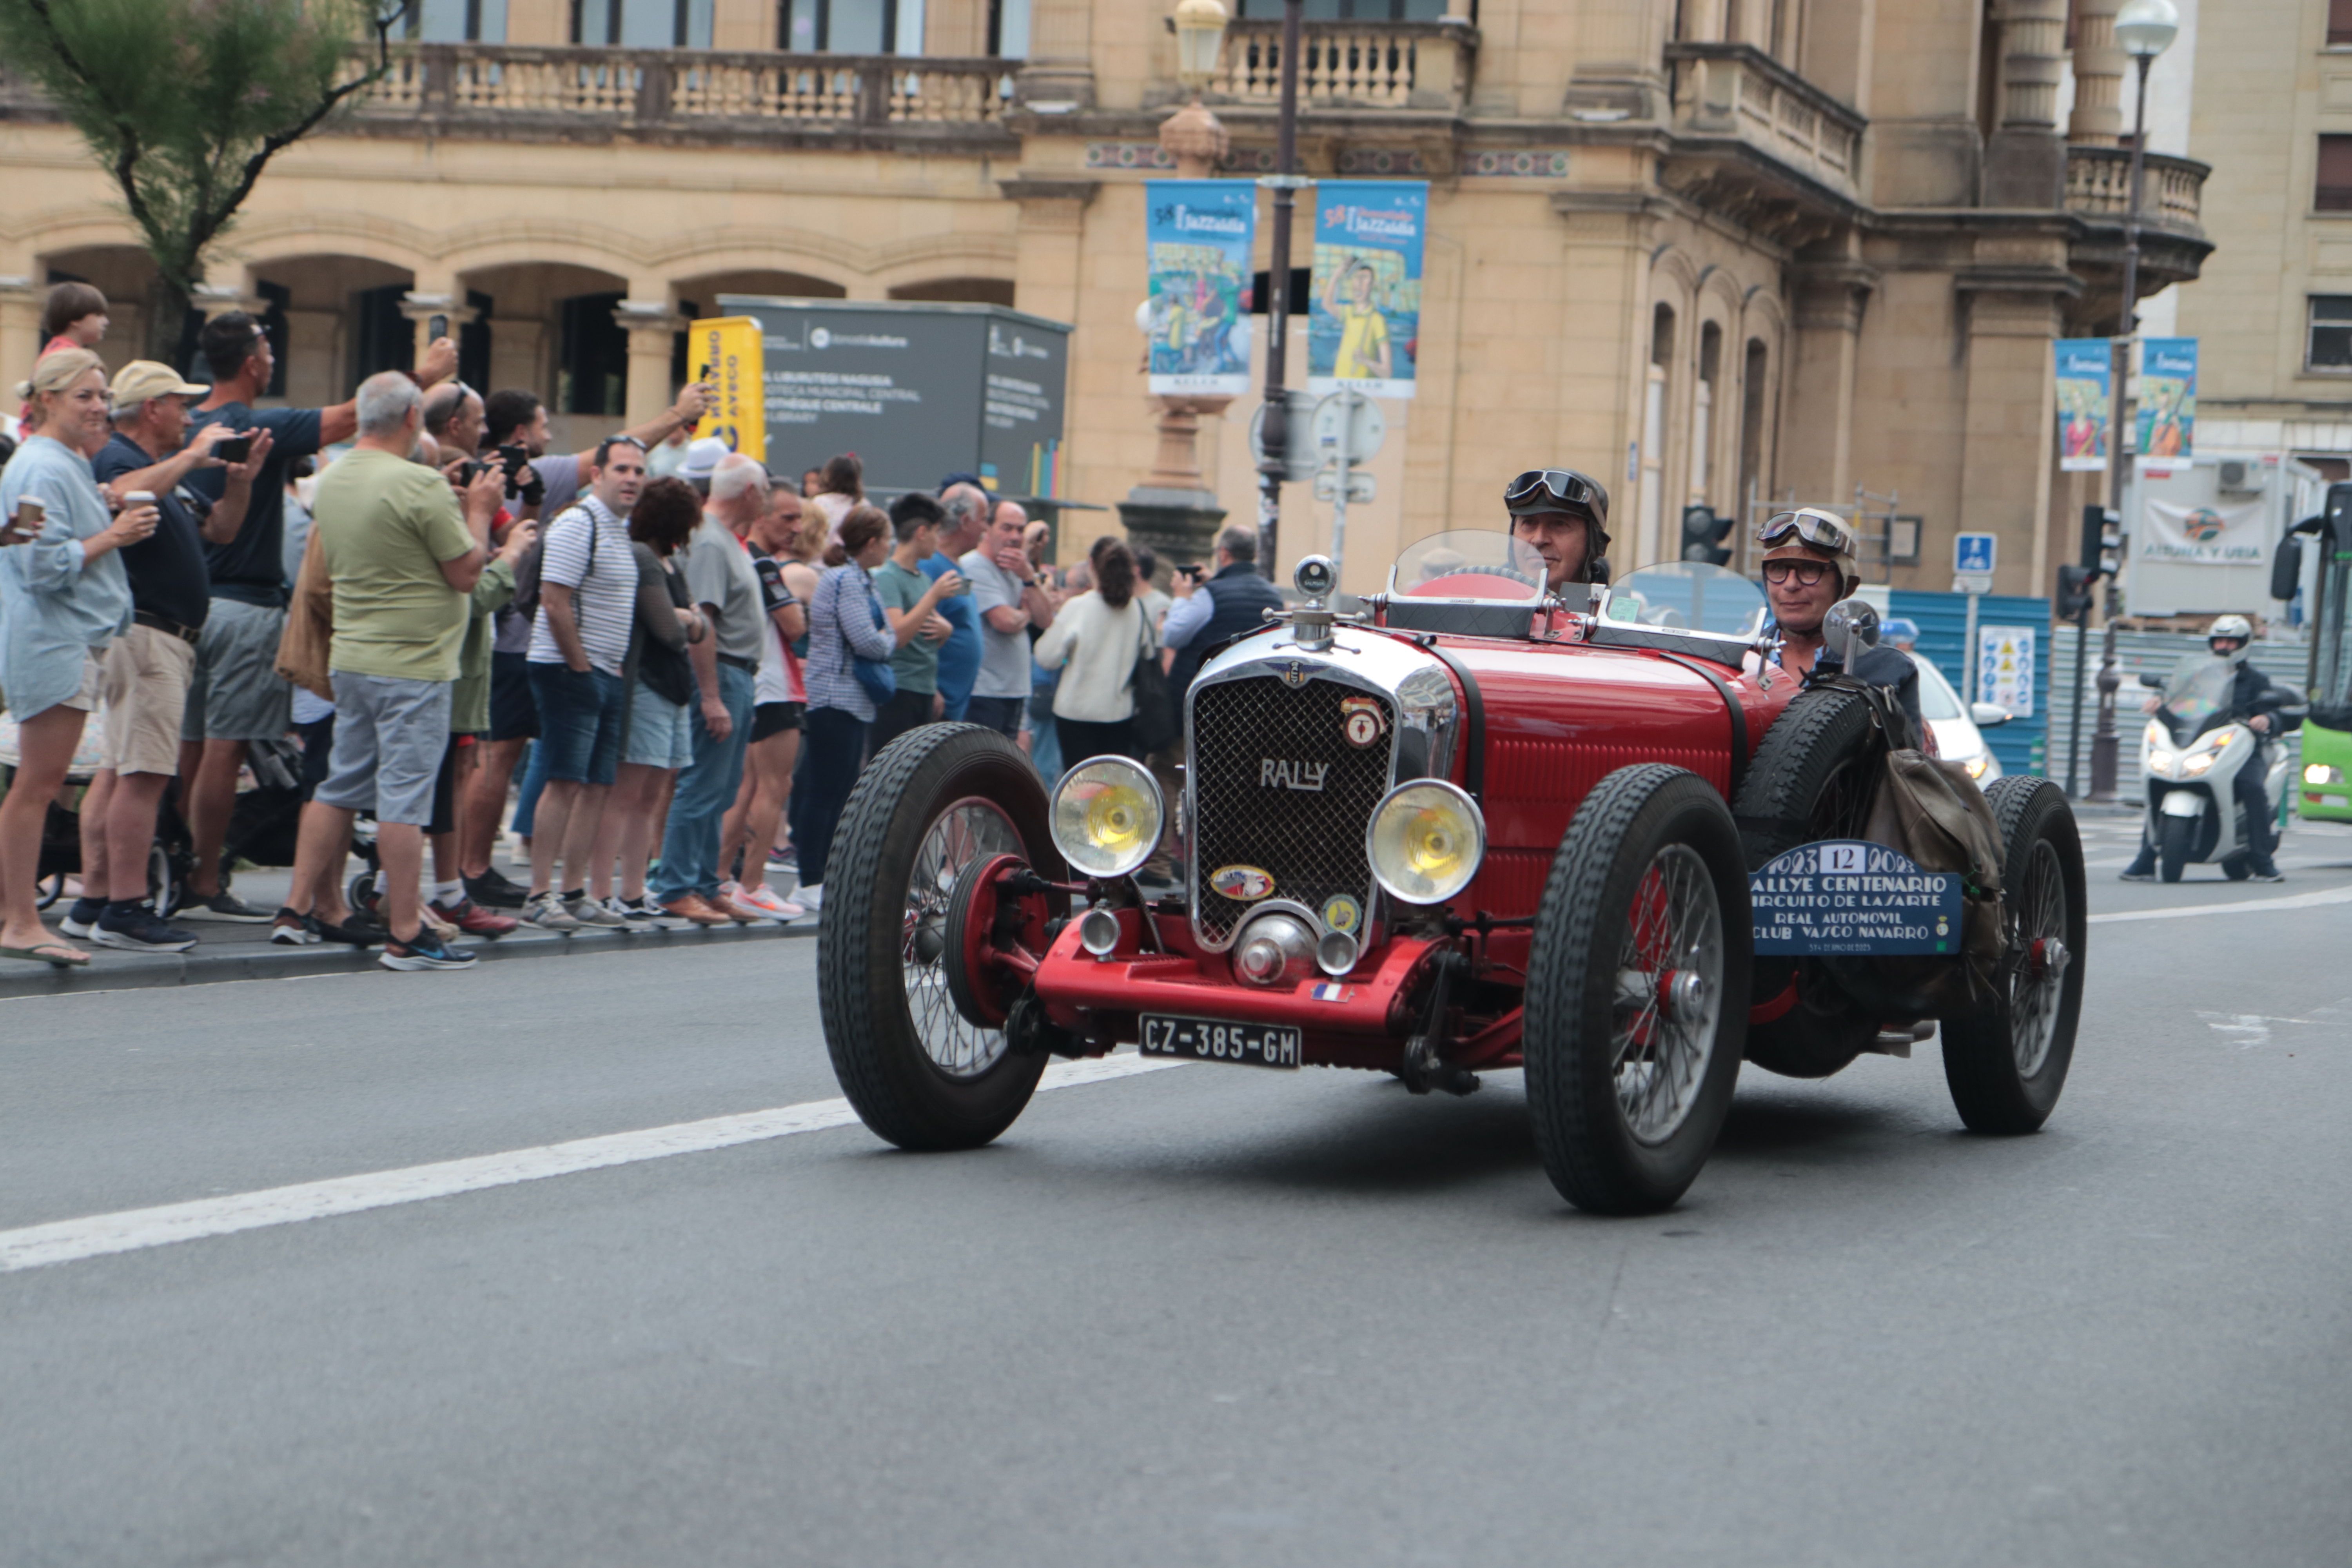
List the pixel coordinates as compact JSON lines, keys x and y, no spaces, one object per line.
{"x":63,"y":597}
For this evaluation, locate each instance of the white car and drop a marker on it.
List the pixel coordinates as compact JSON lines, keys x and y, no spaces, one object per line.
{"x":1959,"y":726}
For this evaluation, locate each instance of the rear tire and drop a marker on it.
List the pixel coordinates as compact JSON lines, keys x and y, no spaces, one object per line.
{"x":919,"y":1073}
{"x":1645,"y":918}
{"x":2007,"y":1063}
{"x":1813,"y":777}
{"x":2175,"y":842}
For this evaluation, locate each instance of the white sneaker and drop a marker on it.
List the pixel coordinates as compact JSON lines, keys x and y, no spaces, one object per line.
{"x":546,"y":912}
{"x":587,"y":911}
{"x":765,"y":901}
{"x":810,"y":899}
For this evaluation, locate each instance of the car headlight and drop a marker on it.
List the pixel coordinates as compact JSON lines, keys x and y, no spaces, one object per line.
{"x":1978,"y":763}
{"x":1425,"y":841}
{"x":2322,"y":774}
{"x":1107,"y":817}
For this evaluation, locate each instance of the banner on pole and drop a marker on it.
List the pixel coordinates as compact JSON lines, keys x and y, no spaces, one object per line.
{"x":728,"y":354}
{"x":1198,"y":234}
{"x":2204,"y":535}
{"x":2166,"y":421}
{"x":2084,"y":407}
{"x":1363,"y":327}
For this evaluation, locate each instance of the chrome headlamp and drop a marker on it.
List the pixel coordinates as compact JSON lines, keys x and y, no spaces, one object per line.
{"x":1107,"y":815}
{"x":1426,"y":840}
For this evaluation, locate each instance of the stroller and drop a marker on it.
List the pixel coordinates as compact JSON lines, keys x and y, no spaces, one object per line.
{"x":261,"y":827}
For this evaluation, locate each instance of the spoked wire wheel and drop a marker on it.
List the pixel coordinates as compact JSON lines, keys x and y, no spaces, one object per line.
{"x":1637,"y":989}
{"x":968,"y":830}
{"x":1669,"y":994}
{"x":2006,"y":1063}
{"x":937,"y":800}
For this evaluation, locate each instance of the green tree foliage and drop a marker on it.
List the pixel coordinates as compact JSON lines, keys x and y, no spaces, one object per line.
{"x":184,"y":103}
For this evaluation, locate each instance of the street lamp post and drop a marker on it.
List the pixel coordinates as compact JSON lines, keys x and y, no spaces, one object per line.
{"x":2145,"y":29}
{"x":1275,"y":430}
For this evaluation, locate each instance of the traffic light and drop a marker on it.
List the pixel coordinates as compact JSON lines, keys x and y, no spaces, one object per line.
{"x":2075,"y":590}
{"x":1701,"y":530}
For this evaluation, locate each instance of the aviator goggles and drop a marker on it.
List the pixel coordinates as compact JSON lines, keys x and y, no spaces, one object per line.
{"x":1551,"y":489}
{"x":1818,"y":529}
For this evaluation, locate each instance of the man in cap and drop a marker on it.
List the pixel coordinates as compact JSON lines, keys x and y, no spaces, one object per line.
{"x":1809,"y":565}
{"x":147,"y":669}
{"x":1564,"y":515}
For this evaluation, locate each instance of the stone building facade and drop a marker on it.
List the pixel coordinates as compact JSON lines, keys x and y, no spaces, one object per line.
{"x":1719,"y":251}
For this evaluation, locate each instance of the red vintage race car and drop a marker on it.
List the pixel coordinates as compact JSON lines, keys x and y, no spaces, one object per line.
{"x":1474,"y":826}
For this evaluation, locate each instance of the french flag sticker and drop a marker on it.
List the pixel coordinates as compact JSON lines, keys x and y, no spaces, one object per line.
{"x":1329,"y":991}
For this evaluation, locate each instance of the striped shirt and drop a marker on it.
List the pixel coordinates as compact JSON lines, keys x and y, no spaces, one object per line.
{"x":845,"y":615}
{"x":604,"y":599}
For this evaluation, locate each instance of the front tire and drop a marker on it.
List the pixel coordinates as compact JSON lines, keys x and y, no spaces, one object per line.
{"x":918,"y":1072}
{"x":2175,"y":844}
{"x":2007,"y":1063}
{"x":1637,"y":991}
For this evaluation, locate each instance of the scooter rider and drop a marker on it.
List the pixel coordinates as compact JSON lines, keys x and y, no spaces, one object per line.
{"x":2228,"y":637}
{"x":1565,"y":516}
{"x":1809,"y":565}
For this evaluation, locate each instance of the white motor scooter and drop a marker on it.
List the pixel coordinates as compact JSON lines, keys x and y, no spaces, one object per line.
{"x":2191,"y":753}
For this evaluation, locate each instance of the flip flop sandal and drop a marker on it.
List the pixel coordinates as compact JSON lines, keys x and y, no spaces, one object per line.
{"x":52,"y":953}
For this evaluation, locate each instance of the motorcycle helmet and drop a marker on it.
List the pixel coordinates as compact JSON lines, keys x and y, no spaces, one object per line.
{"x":2236,"y":627}
{"x":1813,"y":531}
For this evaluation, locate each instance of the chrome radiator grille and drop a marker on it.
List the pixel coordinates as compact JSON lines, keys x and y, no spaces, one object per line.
{"x":1310,"y":841}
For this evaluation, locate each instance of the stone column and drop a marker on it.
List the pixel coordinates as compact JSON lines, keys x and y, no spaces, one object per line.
{"x":519,"y":353}
{"x":420,"y":309}
{"x":653,"y":326}
{"x":741,"y":26}
{"x":2025,"y":162}
{"x":2098,"y":116}
{"x":21,"y":299}
{"x":2011,"y":316}
{"x":1818,"y":434}
{"x":1059,"y":74}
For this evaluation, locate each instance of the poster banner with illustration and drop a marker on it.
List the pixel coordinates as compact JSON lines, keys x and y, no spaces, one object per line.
{"x":1198,"y":234}
{"x":2167,"y":421}
{"x":1363,"y":324}
{"x":2205,"y":535}
{"x":2084,"y":411}
{"x":727,"y":355}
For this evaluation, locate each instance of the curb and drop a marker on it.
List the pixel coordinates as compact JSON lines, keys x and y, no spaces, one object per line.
{"x":261,"y":961}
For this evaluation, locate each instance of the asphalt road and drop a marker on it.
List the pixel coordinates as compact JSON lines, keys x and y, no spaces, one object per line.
{"x":1205,"y":1315}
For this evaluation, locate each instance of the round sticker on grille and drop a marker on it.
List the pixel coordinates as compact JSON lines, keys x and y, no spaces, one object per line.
{"x":1243,"y":884}
{"x":1361,"y":722}
{"x":1342,"y":914}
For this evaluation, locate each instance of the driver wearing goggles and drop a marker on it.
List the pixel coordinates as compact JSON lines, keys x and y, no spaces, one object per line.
{"x":1810,"y":564}
{"x":1564,"y":515}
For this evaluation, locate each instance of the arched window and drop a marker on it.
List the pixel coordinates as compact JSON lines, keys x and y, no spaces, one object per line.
{"x":1755,"y":404}
{"x":1702,"y":460}
{"x":1653,"y":433}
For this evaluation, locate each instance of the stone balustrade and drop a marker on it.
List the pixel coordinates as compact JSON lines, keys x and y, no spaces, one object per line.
{"x":2098,"y":185}
{"x":1350,"y":65}
{"x":1736,"y":90}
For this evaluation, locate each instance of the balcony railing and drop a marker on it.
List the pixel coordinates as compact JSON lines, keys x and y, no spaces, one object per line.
{"x":2098,"y":185}
{"x":515,"y":84}
{"x":1351,"y":65}
{"x":1733,"y":89}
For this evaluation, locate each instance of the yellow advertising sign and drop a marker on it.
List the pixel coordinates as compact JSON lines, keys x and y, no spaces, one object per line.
{"x":726,"y":353}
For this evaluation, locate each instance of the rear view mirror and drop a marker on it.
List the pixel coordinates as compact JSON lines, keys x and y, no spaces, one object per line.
{"x":1986,"y":714}
{"x":2286,"y":568}
{"x":2153,"y":683}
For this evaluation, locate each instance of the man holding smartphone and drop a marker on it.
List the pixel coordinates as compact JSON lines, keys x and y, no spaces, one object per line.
{"x":236,"y":695}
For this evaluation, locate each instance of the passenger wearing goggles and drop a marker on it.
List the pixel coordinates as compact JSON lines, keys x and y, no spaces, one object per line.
{"x":1810,"y":566}
{"x":1565,"y":517}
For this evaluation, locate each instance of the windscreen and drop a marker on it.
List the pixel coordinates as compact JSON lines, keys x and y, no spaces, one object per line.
{"x":1691,"y":595}
{"x":2199,"y":686}
{"x":1469,"y":563}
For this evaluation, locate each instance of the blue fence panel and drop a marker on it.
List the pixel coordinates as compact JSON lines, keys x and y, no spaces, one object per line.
{"x":1943,"y":619}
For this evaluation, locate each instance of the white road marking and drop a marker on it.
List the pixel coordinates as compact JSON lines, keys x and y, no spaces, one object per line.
{"x":2185,"y":912}
{"x":2244,"y":1030}
{"x":131,"y":1230}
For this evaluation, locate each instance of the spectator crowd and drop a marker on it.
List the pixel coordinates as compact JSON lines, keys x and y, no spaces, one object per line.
{"x":660,"y":665}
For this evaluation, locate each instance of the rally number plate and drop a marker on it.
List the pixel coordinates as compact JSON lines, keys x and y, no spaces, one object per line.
{"x":1213,"y":1041}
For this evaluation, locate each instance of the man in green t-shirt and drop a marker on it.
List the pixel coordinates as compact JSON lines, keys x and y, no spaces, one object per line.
{"x":907,"y":590}
{"x":403,"y":558}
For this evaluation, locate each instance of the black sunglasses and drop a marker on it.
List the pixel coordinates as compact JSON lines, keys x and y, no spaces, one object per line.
{"x":1806,"y":572}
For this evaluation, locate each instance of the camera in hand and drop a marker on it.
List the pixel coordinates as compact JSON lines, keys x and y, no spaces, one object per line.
{"x":233,"y":448}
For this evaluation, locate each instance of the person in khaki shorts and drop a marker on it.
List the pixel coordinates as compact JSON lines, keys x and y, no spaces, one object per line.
{"x":143,"y":674}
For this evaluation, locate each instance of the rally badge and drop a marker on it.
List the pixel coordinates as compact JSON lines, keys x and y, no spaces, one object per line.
{"x":1243,"y":884}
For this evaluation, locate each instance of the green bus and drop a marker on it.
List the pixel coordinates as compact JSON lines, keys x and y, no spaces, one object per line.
{"x":2324,"y":792}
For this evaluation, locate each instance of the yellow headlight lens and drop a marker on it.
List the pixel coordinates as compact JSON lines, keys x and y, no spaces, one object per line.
{"x":1425,"y":841}
{"x":1976,"y":765}
{"x":1107,"y":817}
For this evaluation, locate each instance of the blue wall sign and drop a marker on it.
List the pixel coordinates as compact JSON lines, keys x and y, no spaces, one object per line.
{"x":1847,"y":896}
{"x":1975,"y":552}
